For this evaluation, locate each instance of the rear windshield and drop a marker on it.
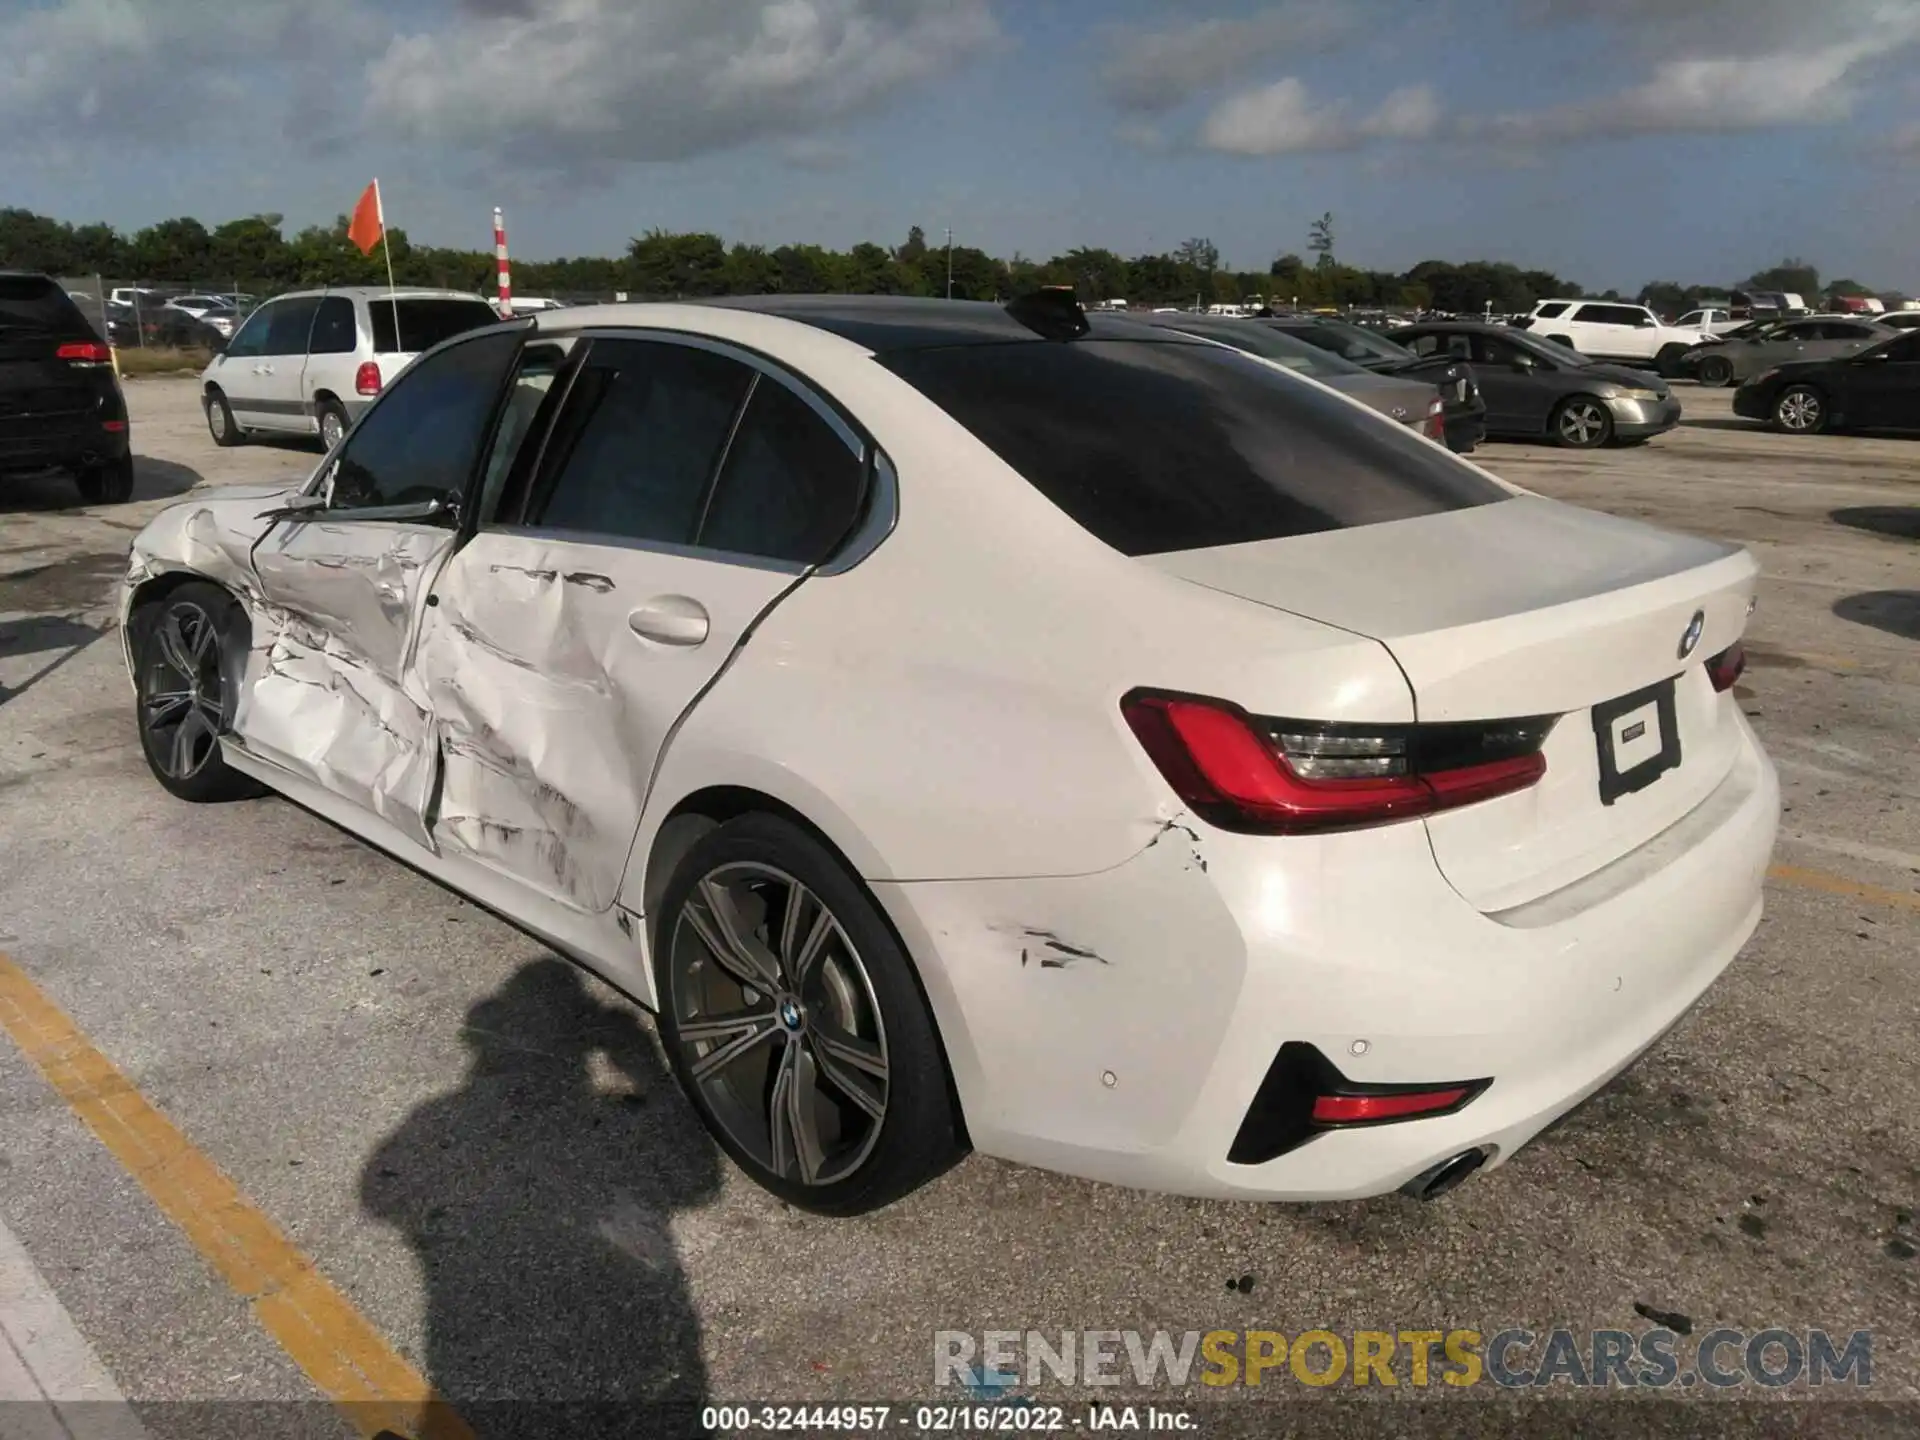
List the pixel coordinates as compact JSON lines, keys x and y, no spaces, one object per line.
{"x":1349,"y":342}
{"x":1162,"y":447}
{"x":33,"y":302}
{"x":424,"y":323}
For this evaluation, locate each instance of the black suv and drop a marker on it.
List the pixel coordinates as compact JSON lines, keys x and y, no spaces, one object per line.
{"x":60,"y":400}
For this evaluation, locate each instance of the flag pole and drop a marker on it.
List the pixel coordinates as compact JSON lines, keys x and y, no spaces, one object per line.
{"x":386,"y":249}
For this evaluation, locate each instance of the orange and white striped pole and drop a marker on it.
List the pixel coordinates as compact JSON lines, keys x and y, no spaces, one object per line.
{"x":500,"y":264}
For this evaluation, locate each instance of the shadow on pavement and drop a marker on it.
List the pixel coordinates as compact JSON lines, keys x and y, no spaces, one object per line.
{"x":54,"y":489}
{"x":1900,"y":521}
{"x":538,"y":1197}
{"x":1895,"y":611}
{"x":59,"y":636}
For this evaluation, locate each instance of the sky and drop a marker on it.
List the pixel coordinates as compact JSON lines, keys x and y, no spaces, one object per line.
{"x":1613,"y":142}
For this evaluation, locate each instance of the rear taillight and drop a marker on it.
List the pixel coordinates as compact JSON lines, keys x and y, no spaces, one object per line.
{"x":1727,"y":667}
{"x":366,"y":380}
{"x":1436,"y":428}
{"x":1287,"y":777}
{"x":84,"y":352}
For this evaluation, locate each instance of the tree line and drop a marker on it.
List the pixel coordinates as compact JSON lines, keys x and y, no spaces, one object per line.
{"x":255,"y":254}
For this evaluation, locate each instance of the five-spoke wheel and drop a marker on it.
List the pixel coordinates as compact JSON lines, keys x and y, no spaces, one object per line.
{"x":185,"y":702}
{"x":793,"y":1019}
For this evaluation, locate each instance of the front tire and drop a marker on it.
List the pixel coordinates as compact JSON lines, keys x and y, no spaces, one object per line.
{"x":1801,"y":410}
{"x":188,"y":655}
{"x":1581,"y":422}
{"x":220,"y":422}
{"x":795,"y":1022}
{"x":1716,"y":371}
{"x":108,"y":483}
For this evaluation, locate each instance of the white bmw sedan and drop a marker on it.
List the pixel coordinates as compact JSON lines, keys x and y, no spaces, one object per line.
{"x":996,"y":727}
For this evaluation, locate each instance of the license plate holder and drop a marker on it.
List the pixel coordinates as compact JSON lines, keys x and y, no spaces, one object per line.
{"x":1619,"y":724}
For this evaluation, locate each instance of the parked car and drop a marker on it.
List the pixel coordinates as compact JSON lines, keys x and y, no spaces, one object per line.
{"x":1730,"y":360}
{"x":533,"y":304}
{"x":1534,"y":387}
{"x":1466,"y":409}
{"x":884,"y":691}
{"x":1709,"y":320}
{"x":138,"y":295}
{"x":198,"y":305}
{"x":1415,"y":403}
{"x":1610,"y":330}
{"x":60,"y":401}
{"x":1899,"y":319}
{"x":1877,"y":389}
{"x":307,"y":363}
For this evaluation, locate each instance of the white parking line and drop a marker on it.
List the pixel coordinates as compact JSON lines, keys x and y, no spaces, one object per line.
{"x":51,"y":1382}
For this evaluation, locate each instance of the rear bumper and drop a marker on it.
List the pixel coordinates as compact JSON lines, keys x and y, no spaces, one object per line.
{"x":1117,"y":1026}
{"x":87,"y":443}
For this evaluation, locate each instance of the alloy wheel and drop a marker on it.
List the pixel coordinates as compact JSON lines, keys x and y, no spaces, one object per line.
{"x":1582,"y":422}
{"x":1800,"y":411}
{"x":777,"y":1019}
{"x":332,"y":427}
{"x":217,"y":420}
{"x":182,"y":692}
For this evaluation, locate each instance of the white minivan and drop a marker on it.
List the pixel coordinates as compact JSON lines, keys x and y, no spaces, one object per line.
{"x":308,"y":363}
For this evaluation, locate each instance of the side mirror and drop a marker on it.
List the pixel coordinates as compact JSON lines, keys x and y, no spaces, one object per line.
{"x":1522,"y":363}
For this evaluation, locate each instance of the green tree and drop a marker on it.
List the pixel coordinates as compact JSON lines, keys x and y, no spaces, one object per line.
{"x":1792,"y":275}
{"x":915,"y":249}
{"x":1320,"y":240}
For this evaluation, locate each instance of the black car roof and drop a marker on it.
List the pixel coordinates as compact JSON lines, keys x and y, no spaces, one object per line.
{"x":883,"y":323}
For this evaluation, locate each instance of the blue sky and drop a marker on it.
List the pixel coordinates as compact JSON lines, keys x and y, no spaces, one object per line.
{"x":1612,"y":141}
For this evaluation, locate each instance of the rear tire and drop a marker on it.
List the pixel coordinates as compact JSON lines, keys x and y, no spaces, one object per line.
{"x":780,"y":977}
{"x":333,"y":423}
{"x":220,"y":423}
{"x":1801,"y":410}
{"x":189,"y":652}
{"x":108,"y":483}
{"x":1581,"y":422}
{"x":1715,"y":371}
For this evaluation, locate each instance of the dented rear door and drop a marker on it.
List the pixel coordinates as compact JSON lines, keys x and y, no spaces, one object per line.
{"x":680,"y":493}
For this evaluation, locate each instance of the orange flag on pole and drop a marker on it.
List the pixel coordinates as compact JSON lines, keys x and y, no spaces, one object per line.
{"x":368,"y":223}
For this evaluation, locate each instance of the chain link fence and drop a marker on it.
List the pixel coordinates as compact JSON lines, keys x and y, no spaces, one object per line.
{"x":139,"y":314}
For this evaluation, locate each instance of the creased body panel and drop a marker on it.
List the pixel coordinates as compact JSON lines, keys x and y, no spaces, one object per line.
{"x":551,"y":709}
{"x":326,"y":692}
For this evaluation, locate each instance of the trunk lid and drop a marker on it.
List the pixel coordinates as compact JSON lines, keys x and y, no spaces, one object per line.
{"x":1527,"y":607}
{"x":1405,"y":400}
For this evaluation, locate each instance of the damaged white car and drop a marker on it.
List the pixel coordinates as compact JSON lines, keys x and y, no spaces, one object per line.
{"x":997,"y":727}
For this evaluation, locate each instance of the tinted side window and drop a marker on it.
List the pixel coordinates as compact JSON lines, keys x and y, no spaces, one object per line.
{"x":1161,"y":447}
{"x":421,"y":438}
{"x":292,"y":322}
{"x":791,"y":488}
{"x":423,"y":323}
{"x":635,"y":445}
{"x":1553,"y":311}
{"x":334,"y":331}
{"x":252,"y":339}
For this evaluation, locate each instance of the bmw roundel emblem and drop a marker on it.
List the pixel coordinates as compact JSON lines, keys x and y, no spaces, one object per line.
{"x":1691,"y":637}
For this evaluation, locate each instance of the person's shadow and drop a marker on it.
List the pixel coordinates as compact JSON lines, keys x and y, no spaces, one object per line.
{"x":537,"y":1197}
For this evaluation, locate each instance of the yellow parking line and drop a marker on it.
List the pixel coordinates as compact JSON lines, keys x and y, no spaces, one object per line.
{"x":1840,"y":885}
{"x":312,"y":1321}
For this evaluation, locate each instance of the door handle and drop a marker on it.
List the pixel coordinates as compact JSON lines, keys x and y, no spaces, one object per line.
{"x":671,"y":620}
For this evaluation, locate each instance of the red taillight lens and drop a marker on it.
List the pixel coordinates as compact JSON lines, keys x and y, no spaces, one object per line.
{"x":85,"y":352}
{"x":366,"y":380}
{"x":1728,"y":666}
{"x":1404,"y":1105}
{"x":1437,"y":420}
{"x":1292,"y":777}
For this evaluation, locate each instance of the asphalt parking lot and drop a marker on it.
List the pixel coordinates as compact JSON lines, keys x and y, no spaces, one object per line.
{"x":499,"y":1188}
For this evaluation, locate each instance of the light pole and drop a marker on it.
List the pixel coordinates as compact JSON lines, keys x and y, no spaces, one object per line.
{"x":949,"y":262}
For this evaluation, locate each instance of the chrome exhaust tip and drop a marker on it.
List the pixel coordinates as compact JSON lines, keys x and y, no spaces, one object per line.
{"x":1432,"y":1184}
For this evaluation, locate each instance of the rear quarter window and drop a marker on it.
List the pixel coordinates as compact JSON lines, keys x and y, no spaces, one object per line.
{"x":424,"y":323}
{"x":1157,"y":447}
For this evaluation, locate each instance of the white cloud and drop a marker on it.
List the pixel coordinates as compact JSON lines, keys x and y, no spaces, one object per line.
{"x":1283,"y":119}
{"x":1153,"y":71}
{"x":663,"y":80}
